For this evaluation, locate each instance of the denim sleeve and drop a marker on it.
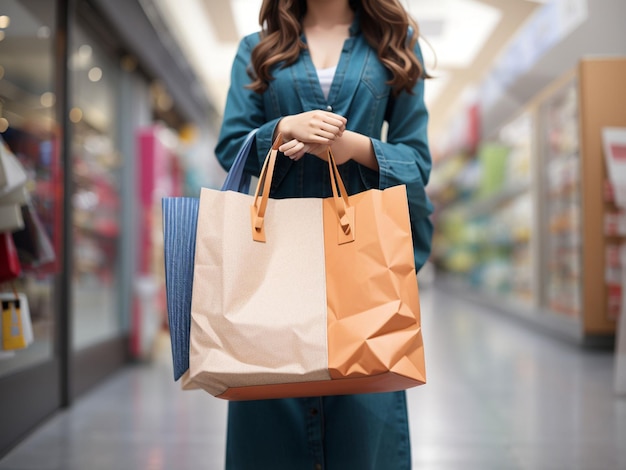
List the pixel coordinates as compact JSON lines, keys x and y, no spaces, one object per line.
{"x":405,"y":159}
{"x":244,"y":112}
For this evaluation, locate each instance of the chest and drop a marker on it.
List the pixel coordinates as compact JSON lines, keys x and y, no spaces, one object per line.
{"x":325,"y":45}
{"x":359,"y":88}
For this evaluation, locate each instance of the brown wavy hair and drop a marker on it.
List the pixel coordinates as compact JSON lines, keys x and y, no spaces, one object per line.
{"x":384,"y":23}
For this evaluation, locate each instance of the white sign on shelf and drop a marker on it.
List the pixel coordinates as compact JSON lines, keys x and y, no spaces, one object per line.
{"x":614,"y":142}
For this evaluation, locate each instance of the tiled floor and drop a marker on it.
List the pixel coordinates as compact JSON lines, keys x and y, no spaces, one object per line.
{"x":500,"y":396}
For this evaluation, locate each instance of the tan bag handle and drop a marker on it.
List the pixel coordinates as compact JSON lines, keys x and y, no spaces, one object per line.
{"x":257,"y":210}
{"x":345,"y":213}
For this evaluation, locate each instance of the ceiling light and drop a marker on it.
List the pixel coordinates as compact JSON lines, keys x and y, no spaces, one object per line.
{"x":84,"y":51}
{"x":76,"y":115}
{"x":5,"y":21}
{"x":446,"y":26}
{"x":47,"y":99}
{"x":95,"y":74}
{"x":164,"y":102}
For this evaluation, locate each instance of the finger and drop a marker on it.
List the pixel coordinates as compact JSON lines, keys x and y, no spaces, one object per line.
{"x":300,"y":153}
{"x":337,"y":121}
{"x":288,"y":145}
{"x":320,"y":119}
{"x":335,"y":116}
{"x":327,"y":131}
{"x":334,"y":126}
{"x":320,"y":137}
{"x":324,"y":134}
{"x":336,"y":131}
{"x":291,"y":148}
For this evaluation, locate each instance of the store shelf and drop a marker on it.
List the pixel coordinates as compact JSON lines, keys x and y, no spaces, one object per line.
{"x":537,"y":244}
{"x":485,"y":206}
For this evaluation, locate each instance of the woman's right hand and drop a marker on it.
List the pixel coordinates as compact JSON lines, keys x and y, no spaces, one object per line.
{"x":312,"y":127}
{"x":295,"y":149}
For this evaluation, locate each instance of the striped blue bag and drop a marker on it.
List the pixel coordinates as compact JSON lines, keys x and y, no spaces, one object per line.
{"x":180,"y":217}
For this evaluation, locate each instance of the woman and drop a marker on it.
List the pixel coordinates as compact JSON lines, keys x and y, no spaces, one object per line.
{"x":320,"y":73}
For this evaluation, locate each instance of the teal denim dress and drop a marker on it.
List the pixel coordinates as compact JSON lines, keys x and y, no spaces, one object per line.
{"x":357,"y":432}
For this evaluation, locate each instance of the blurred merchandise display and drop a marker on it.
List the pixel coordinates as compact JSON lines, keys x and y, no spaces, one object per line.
{"x":96,"y":174}
{"x":96,"y":203}
{"x":78,"y":80}
{"x":485,"y":232}
{"x":528,"y":219}
{"x":16,"y":330}
{"x":31,"y":187}
{"x":162,"y":174}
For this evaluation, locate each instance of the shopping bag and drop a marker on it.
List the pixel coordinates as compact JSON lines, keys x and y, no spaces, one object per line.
{"x":10,"y":267}
{"x":12,"y":174}
{"x":18,"y":197}
{"x":236,"y":179}
{"x":180,"y":215}
{"x":32,"y":242}
{"x":304,"y":297}
{"x":10,"y":218}
{"x":17,"y":328}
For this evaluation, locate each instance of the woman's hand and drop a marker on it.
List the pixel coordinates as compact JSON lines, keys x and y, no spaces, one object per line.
{"x":350,"y":146}
{"x":312,"y":127}
{"x":295,"y":149}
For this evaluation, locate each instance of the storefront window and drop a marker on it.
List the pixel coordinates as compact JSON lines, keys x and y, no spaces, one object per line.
{"x":32,"y":216}
{"x":96,"y":200}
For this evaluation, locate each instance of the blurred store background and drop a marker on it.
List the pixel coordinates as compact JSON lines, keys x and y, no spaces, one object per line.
{"x":109,"y":105}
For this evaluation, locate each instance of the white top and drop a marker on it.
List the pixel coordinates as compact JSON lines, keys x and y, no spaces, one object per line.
{"x":325,"y":77}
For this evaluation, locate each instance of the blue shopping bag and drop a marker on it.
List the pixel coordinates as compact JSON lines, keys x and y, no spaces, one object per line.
{"x":180,"y":218}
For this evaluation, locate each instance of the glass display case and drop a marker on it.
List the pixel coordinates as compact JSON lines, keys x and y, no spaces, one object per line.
{"x":562,"y":196}
{"x":30,"y":130}
{"x":96,"y":200}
